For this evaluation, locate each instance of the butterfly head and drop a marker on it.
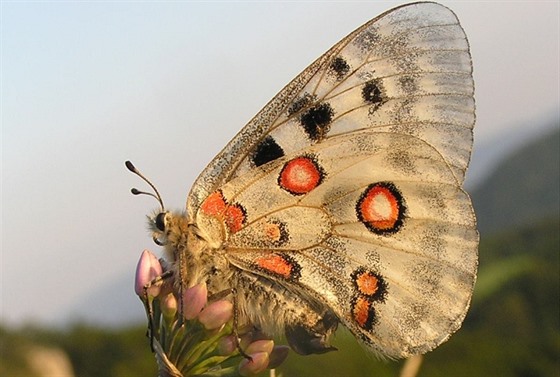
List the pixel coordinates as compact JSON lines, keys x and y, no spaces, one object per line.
{"x":172,"y":231}
{"x":160,"y":222}
{"x":168,"y":229}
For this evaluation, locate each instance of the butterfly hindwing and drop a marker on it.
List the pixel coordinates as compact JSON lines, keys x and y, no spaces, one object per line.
{"x":347,"y":186}
{"x":422,"y":251}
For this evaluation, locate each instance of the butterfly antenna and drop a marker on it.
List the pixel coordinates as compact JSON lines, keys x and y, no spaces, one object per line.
{"x":135,"y":191}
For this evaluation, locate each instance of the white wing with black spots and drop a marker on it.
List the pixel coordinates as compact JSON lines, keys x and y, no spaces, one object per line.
{"x":346,"y":189}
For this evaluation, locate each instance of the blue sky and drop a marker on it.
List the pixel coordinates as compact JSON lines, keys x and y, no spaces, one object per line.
{"x":88,"y":85}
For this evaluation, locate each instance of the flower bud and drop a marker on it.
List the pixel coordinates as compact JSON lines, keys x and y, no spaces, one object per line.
{"x":194,"y":299}
{"x":169,"y":306}
{"x":277,"y":356}
{"x":216,"y":314}
{"x":227,"y":345}
{"x":260,"y":346}
{"x":256,"y":364}
{"x":148,"y":269}
{"x":250,"y":334}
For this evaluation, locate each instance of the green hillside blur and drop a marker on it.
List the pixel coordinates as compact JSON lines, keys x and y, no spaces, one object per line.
{"x":523,"y":189}
{"x":512,"y":329}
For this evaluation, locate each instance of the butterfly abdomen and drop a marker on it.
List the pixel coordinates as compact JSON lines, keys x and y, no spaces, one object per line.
{"x":277,"y":309}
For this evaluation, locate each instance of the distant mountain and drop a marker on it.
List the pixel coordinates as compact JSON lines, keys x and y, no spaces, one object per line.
{"x":523,"y":188}
{"x":489,"y":154}
{"x":114,"y":304}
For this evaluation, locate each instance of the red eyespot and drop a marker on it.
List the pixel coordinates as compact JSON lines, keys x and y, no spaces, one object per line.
{"x":235,"y":217}
{"x":363,"y":313}
{"x":279,"y":264}
{"x":232,"y":214}
{"x":300,"y":175}
{"x":214,"y":204}
{"x":381,"y":208}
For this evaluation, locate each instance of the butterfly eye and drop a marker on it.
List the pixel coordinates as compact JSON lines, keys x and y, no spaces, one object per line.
{"x":160,"y":221}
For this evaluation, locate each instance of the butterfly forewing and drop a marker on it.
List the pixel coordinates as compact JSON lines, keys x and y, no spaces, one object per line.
{"x":347,"y":187}
{"x":420,"y":56}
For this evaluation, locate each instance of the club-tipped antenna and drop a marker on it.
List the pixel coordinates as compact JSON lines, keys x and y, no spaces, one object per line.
{"x":135,"y":191}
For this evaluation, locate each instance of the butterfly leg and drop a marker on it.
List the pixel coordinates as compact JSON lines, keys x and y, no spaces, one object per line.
{"x":147,"y":301}
{"x":233,"y":292}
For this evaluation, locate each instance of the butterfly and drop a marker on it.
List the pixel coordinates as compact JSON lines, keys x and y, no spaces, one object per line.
{"x":342,"y":201}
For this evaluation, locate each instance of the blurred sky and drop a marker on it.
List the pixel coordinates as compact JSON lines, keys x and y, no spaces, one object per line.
{"x":88,"y":85}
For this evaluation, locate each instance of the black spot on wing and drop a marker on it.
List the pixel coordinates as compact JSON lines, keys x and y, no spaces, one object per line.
{"x":266,"y":151}
{"x":372,"y":93}
{"x":301,"y":103}
{"x":339,"y":67}
{"x":316,"y":120}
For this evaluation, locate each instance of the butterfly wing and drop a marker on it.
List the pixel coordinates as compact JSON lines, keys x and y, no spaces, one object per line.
{"x":418,"y":58}
{"x":347,"y":186}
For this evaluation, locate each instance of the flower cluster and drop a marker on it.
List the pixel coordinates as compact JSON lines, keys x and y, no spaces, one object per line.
{"x":199,"y":339}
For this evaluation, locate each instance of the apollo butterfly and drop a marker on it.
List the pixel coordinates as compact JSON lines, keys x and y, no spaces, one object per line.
{"x":342,"y":201}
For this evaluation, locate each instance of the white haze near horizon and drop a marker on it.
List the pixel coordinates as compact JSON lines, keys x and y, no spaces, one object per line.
{"x":88,"y":85}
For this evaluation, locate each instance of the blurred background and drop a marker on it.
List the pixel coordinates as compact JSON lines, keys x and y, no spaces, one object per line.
{"x":88,"y":85}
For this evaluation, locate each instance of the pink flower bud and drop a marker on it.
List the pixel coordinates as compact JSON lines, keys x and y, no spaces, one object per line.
{"x":169,"y":306}
{"x":216,"y":314}
{"x":277,"y":356}
{"x":194,"y":299}
{"x":260,"y":346}
{"x":257,"y":363}
{"x":250,"y":334}
{"x":227,"y":345}
{"x":148,"y":269}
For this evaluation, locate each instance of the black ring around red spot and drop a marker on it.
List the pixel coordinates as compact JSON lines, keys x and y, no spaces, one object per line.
{"x":301,"y":175}
{"x":369,"y":284}
{"x":369,"y":288}
{"x":381,"y":208}
{"x":280,"y":265}
{"x":363,"y":313}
